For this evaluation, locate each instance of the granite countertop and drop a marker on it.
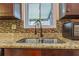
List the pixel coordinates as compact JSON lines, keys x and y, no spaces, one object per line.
{"x":8,"y":40}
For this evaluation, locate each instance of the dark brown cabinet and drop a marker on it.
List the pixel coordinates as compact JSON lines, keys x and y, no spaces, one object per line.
{"x":41,"y":52}
{"x":10,"y":10}
{"x":72,"y":9}
{"x":22,"y":52}
{"x":56,"y":52}
{"x":69,"y":10}
{"x":6,"y":9}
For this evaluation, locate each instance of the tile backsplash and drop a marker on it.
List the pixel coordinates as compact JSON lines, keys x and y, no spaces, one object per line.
{"x":6,"y":27}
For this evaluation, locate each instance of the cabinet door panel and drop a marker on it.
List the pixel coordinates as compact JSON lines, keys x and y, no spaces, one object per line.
{"x":22,"y":52}
{"x":69,"y":10}
{"x":6,"y":9}
{"x":55,"y":52}
{"x":72,"y":8}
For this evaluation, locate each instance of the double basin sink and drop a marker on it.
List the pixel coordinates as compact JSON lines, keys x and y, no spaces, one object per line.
{"x":41,"y":40}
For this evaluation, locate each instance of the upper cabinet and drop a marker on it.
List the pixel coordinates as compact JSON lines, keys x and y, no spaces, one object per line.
{"x":6,"y":9}
{"x":72,"y":9}
{"x":10,"y":10}
{"x":69,"y":10}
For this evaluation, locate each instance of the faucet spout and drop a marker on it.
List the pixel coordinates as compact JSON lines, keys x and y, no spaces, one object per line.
{"x":41,"y":34}
{"x":35,"y":30}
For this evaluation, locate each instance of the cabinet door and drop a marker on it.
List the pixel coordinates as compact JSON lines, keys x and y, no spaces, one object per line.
{"x":69,"y":10}
{"x":22,"y":52}
{"x":76,"y":52}
{"x":72,"y":8}
{"x":56,"y":52}
{"x":6,"y":9}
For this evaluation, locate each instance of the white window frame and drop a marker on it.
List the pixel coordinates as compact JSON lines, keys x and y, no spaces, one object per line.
{"x":54,"y":18}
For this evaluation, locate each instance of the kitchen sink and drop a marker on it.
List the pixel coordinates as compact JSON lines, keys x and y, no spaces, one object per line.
{"x":36,"y":41}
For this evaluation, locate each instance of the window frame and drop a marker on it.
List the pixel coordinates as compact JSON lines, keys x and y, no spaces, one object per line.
{"x":25,"y":18}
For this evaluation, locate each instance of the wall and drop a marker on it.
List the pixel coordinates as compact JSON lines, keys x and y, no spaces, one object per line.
{"x":7,"y":33}
{"x":6,"y":27}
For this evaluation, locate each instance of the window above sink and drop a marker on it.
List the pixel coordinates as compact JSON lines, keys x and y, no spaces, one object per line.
{"x":34,"y":12}
{"x":31,"y":14}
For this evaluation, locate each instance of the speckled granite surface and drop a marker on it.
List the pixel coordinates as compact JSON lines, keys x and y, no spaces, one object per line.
{"x":6,"y":27}
{"x":8,"y":40}
{"x":8,"y":36}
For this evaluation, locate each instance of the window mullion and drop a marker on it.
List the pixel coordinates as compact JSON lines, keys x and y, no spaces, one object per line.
{"x":39,"y":11}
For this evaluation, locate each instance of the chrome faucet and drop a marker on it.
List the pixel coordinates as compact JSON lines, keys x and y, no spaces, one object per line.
{"x":38,"y":22}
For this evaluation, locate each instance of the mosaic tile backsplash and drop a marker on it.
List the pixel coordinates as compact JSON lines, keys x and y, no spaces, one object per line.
{"x":6,"y":27}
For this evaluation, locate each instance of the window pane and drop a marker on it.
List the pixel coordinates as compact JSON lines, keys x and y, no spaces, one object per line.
{"x":33,"y":11}
{"x":45,"y":10}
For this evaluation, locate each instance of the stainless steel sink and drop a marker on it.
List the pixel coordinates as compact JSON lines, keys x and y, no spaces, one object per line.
{"x":36,"y":41}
